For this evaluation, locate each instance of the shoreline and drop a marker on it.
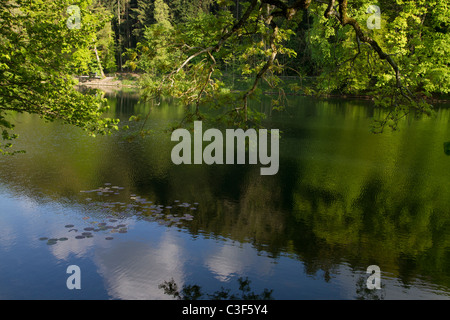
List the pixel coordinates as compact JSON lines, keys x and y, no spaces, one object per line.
{"x":130,"y":81}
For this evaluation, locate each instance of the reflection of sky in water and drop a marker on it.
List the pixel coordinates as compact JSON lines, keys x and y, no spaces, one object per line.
{"x":330,"y":162}
{"x":134,"y":269}
{"x":134,"y":264}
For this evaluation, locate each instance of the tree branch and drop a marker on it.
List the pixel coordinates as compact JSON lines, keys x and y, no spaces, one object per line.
{"x":346,"y":20}
{"x":264,"y":69}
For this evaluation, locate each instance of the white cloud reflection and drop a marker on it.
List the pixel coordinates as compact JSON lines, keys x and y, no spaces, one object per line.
{"x":231,"y":260}
{"x":134,"y":270}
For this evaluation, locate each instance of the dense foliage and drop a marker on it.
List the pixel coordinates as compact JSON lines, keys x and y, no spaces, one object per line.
{"x":222,"y":54}
{"x":38,"y":53}
{"x":400,"y":64}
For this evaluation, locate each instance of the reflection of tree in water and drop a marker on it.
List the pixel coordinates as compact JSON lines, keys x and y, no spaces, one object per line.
{"x":194,"y":292}
{"x":378,"y":221}
{"x":447,"y":148}
{"x":322,"y":212}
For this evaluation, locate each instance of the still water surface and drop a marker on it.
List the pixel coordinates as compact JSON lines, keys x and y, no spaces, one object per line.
{"x":343,"y":199}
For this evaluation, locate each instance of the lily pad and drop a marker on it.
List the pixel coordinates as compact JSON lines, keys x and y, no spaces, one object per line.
{"x":109,"y":238}
{"x":79,"y":237}
{"x":50,"y":243}
{"x":43,"y":238}
{"x":86,"y":234}
{"x":89,"y":229}
{"x":63,"y":239}
{"x":69,"y":225}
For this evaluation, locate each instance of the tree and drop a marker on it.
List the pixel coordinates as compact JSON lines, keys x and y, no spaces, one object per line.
{"x":99,"y":56}
{"x":184,"y":10}
{"x":143,"y":15}
{"x":399,"y":66}
{"x":161,"y":12}
{"x":36,"y":59}
{"x":409,"y":42}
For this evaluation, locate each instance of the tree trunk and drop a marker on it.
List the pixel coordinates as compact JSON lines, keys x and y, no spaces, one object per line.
{"x":119,"y":40}
{"x":99,"y":62}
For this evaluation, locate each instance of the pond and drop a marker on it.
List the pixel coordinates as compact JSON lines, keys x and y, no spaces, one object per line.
{"x":343,"y":199}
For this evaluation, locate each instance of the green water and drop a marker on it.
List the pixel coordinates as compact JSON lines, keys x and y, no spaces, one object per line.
{"x":343,"y":199}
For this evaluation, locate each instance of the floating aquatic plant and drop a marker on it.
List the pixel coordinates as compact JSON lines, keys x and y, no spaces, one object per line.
{"x":140,"y":208}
